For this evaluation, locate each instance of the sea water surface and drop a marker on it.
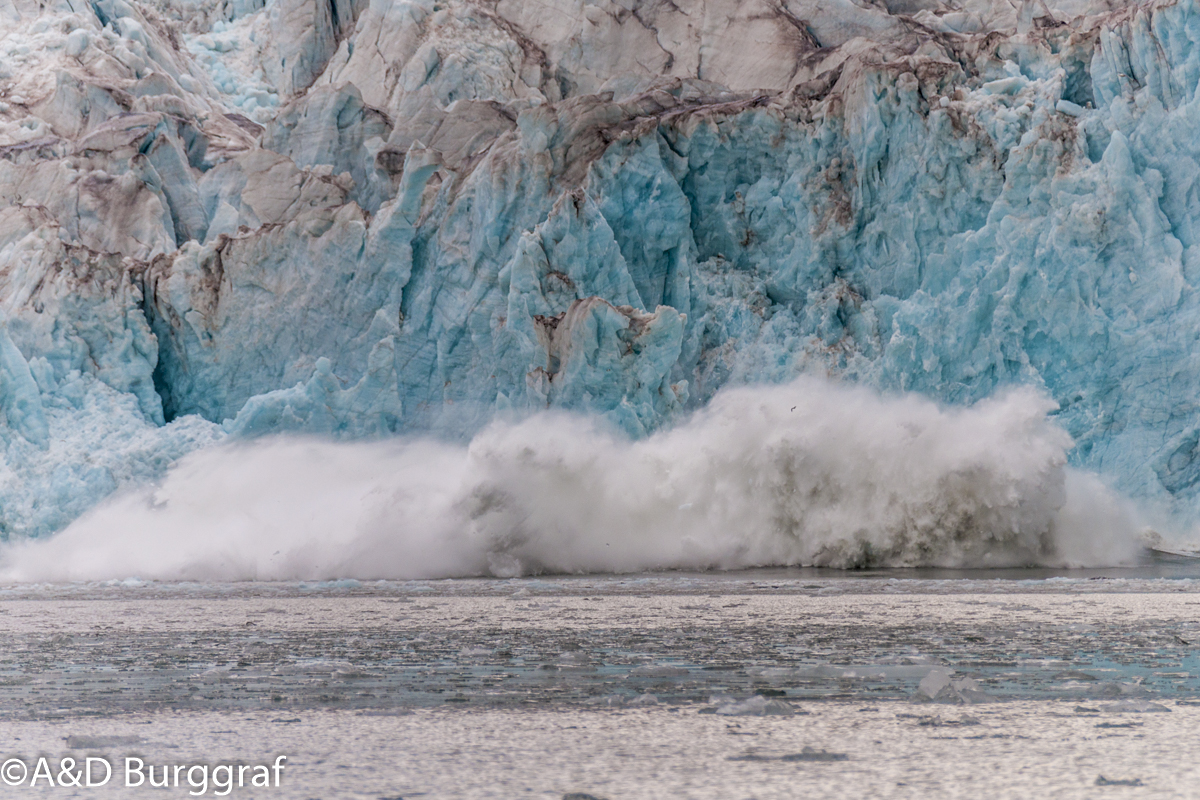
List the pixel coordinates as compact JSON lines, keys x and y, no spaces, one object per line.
{"x":747,"y":684}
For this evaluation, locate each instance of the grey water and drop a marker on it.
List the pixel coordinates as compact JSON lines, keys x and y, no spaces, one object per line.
{"x":749,"y":684}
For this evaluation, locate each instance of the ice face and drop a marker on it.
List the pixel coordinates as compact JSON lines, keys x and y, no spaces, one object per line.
{"x":233,"y":218}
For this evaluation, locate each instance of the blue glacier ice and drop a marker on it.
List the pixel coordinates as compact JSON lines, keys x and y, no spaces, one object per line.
{"x":229,"y":218}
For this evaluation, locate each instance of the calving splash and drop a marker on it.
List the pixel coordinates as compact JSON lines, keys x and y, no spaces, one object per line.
{"x":809,"y":473}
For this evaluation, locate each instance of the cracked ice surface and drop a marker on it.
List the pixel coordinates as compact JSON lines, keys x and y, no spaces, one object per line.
{"x":405,"y":216}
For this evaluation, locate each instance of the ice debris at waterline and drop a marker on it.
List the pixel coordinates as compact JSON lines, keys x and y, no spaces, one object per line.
{"x":808,"y":473}
{"x":235,"y":217}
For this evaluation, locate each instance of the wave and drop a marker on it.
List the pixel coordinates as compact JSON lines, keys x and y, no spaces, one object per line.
{"x":810,"y":473}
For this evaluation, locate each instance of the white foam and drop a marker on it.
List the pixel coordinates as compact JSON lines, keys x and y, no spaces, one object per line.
{"x":804,"y":474}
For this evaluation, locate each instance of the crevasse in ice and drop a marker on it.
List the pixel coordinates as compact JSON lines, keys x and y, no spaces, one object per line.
{"x":229,"y":217}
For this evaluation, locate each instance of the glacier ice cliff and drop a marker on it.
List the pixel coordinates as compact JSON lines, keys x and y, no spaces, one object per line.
{"x":224,"y":218}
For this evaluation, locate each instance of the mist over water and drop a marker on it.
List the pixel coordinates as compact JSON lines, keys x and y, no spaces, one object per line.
{"x":809,"y":473}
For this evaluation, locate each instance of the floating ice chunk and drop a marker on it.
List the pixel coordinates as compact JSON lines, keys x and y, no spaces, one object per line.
{"x":1134,"y":707}
{"x":316,"y":667}
{"x":574,"y":659}
{"x":757,"y":706}
{"x":807,"y":754}
{"x":475,"y":651}
{"x":657,"y":671}
{"x":968,"y":691}
{"x":1123,"y":689}
{"x":933,"y":685}
{"x":937,"y":722}
{"x":938,"y":687}
{"x":214,"y":673}
{"x":812,"y":754}
{"x":352,"y":673}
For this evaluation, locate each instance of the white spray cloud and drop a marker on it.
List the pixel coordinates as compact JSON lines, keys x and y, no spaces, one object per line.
{"x":804,"y":474}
